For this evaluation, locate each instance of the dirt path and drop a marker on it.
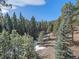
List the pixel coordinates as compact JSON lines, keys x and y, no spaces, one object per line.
{"x":49,"y":51}
{"x":75,"y":47}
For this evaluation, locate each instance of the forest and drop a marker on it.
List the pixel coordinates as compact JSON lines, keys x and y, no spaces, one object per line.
{"x":18,"y":35}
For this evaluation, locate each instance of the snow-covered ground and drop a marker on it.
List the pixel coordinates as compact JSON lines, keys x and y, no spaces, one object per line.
{"x":38,"y":47}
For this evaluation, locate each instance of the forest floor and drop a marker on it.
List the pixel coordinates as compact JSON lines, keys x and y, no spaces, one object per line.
{"x":49,"y":51}
{"x":75,"y":47}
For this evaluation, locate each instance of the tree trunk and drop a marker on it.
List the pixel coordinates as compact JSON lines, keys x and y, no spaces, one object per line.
{"x":72,"y":31}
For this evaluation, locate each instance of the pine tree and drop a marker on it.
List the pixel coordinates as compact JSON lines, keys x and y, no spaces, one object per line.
{"x":41,"y":36}
{"x":43,"y":25}
{"x":1,"y":19}
{"x":33,"y":28}
{"x":14,"y":21}
{"x":63,"y":40}
{"x":22,"y":24}
{"x":28,"y":47}
{"x":16,"y":44}
{"x":22,"y":46}
{"x":50,"y":28}
{"x":4,"y":45}
{"x":8,"y":23}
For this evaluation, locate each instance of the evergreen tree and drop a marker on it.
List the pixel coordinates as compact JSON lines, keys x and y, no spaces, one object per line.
{"x":1,"y":19}
{"x":27,"y":27}
{"x":41,"y":36}
{"x":16,"y":45}
{"x":14,"y":21}
{"x":28,"y":47}
{"x":50,"y":28}
{"x":22,"y":24}
{"x":33,"y":29}
{"x":43,"y":25}
{"x":4,"y":45}
{"x":23,"y":46}
{"x":8,"y":23}
{"x":39,"y":26}
{"x":63,"y":40}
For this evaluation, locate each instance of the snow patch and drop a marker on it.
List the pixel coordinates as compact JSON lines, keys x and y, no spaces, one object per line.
{"x":37,"y":48}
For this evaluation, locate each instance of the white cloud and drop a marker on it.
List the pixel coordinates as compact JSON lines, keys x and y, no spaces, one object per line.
{"x":13,"y":7}
{"x":26,"y":2}
{"x":21,"y":3}
{"x":4,"y":11}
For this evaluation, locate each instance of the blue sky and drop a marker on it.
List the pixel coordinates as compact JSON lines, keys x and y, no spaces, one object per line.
{"x":46,"y":9}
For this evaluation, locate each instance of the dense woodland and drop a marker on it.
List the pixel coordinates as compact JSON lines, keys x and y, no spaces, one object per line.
{"x":17,"y":34}
{"x":22,"y":25}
